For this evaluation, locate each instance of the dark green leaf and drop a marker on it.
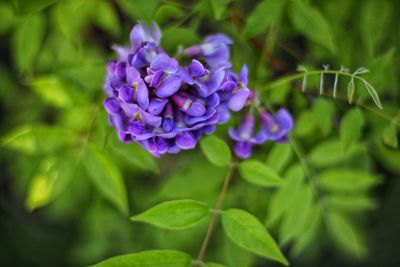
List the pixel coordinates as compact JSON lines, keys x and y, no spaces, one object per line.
{"x":258,"y":173}
{"x":176,"y":214}
{"x":139,"y":10}
{"x":351,"y":203}
{"x":323,"y":112}
{"x":216,"y":150}
{"x":153,"y":258}
{"x":7,"y":17}
{"x":389,"y":136}
{"x":345,"y":235}
{"x":25,"y":52}
{"x":247,"y":231}
{"x":258,"y":22}
{"x":309,"y":21}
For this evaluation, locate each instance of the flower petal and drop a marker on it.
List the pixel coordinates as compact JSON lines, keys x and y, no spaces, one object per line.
{"x":238,"y":100}
{"x":142,"y":95}
{"x":169,"y":86}
{"x":185,"y":140}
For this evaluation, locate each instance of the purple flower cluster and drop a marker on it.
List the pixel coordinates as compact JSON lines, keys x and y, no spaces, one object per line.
{"x":272,"y":128}
{"x":167,"y":107}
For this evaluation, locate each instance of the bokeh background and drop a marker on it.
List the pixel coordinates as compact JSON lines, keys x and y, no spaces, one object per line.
{"x":56,"y":211}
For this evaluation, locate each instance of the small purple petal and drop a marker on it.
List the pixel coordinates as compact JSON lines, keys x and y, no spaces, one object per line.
{"x":238,"y":99}
{"x":132,"y":75}
{"x":150,"y":119}
{"x":185,"y":140}
{"x":157,"y":105}
{"x":196,"y":68}
{"x":196,"y":109}
{"x":243,"y":75}
{"x":243,"y":149}
{"x":164,"y":62}
{"x":112,"y":105}
{"x":169,"y":86}
{"x":142,"y":95}
{"x":126,"y":93}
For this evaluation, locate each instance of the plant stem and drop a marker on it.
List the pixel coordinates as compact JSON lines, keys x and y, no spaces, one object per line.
{"x":215,"y":213}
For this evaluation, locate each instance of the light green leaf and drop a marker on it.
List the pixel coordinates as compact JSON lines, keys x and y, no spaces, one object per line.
{"x":389,"y":136}
{"x":279,"y":156}
{"x":351,"y":203}
{"x":176,"y":214}
{"x":258,"y":22}
{"x":258,"y":173}
{"x":38,"y":139}
{"x":345,"y":235}
{"x":213,"y":264}
{"x":296,"y":215}
{"x":305,"y":125}
{"x":351,"y":88}
{"x":351,"y":127}
{"x":372,"y":92}
{"x":52,"y":91}
{"x":106,"y":17}
{"x":347,"y":180}
{"x":106,"y":177}
{"x":52,"y":179}
{"x":309,"y":231}
{"x":309,"y":21}
{"x":30,"y":28}
{"x":247,"y":231}
{"x":373,"y":26}
{"x":139,"y":10}
{"x":330,"y":153}
{"x":284,"y":197}
{"x":32,"y":5}
{"x":323,"y":111}
{"x":219,"y":6}
{"x":216,"y":150}
{"x":153,"y":258}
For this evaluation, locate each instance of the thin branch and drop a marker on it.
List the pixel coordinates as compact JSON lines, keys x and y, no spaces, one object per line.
{"x":215,"y":213}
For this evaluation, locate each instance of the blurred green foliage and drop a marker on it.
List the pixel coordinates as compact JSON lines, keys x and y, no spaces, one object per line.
{"x":329,"y":197}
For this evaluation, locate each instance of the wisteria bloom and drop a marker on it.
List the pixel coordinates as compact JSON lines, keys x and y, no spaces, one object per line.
{"x":272,"y":128}
{"x":163,"y":105}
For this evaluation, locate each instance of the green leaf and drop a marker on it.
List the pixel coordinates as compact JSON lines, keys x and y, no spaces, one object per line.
{"x":167,"y":12}
{"x":284,"y":197}
{"x":52,"y":91}
{"x":216,"y":150}
{"x":373,"y":27}
{"x":296,"y":215}
{"x":347,"y":180}
{"x":176,"y":214}
{"x":258,"y":173}
{"x":309,"y":232}
{"x":25,"y":52}
{"x":351,"y":127}
{"x":257,"y":22}
{"x":351,"y":203}
{"x":219,"y":6}
{"x":213,"y":264}
{"x":351,"y":88}
{"x":389,"y":136}
{"x":106,"y":17}
{"x":279,"y":156}
{"x":30,"y":6}
{"x":305,"y":124}
{"x":38,"y":139}
{"x":323,"y":111}
{"x":372,"y":92}
{"x":309,"y":21}
{"x":330,"y":153}
{"x":54,"y":176}
{"x":133,"y":154}
{"x":106,"y":177}
{"x":139,"y":10}
{"x":345,"y":235}
{"x":174,"y":37}
{"x":7,"y":17}
{"x":247,"y":231}
{"x":153,"y":258}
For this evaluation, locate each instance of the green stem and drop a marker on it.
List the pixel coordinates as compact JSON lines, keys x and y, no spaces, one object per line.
{"x":216,"y":211}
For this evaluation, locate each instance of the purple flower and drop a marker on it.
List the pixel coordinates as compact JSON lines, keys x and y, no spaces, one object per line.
{"x":244,"y":137}
{"x":167,"y":107}
{"x":275,"y":127}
